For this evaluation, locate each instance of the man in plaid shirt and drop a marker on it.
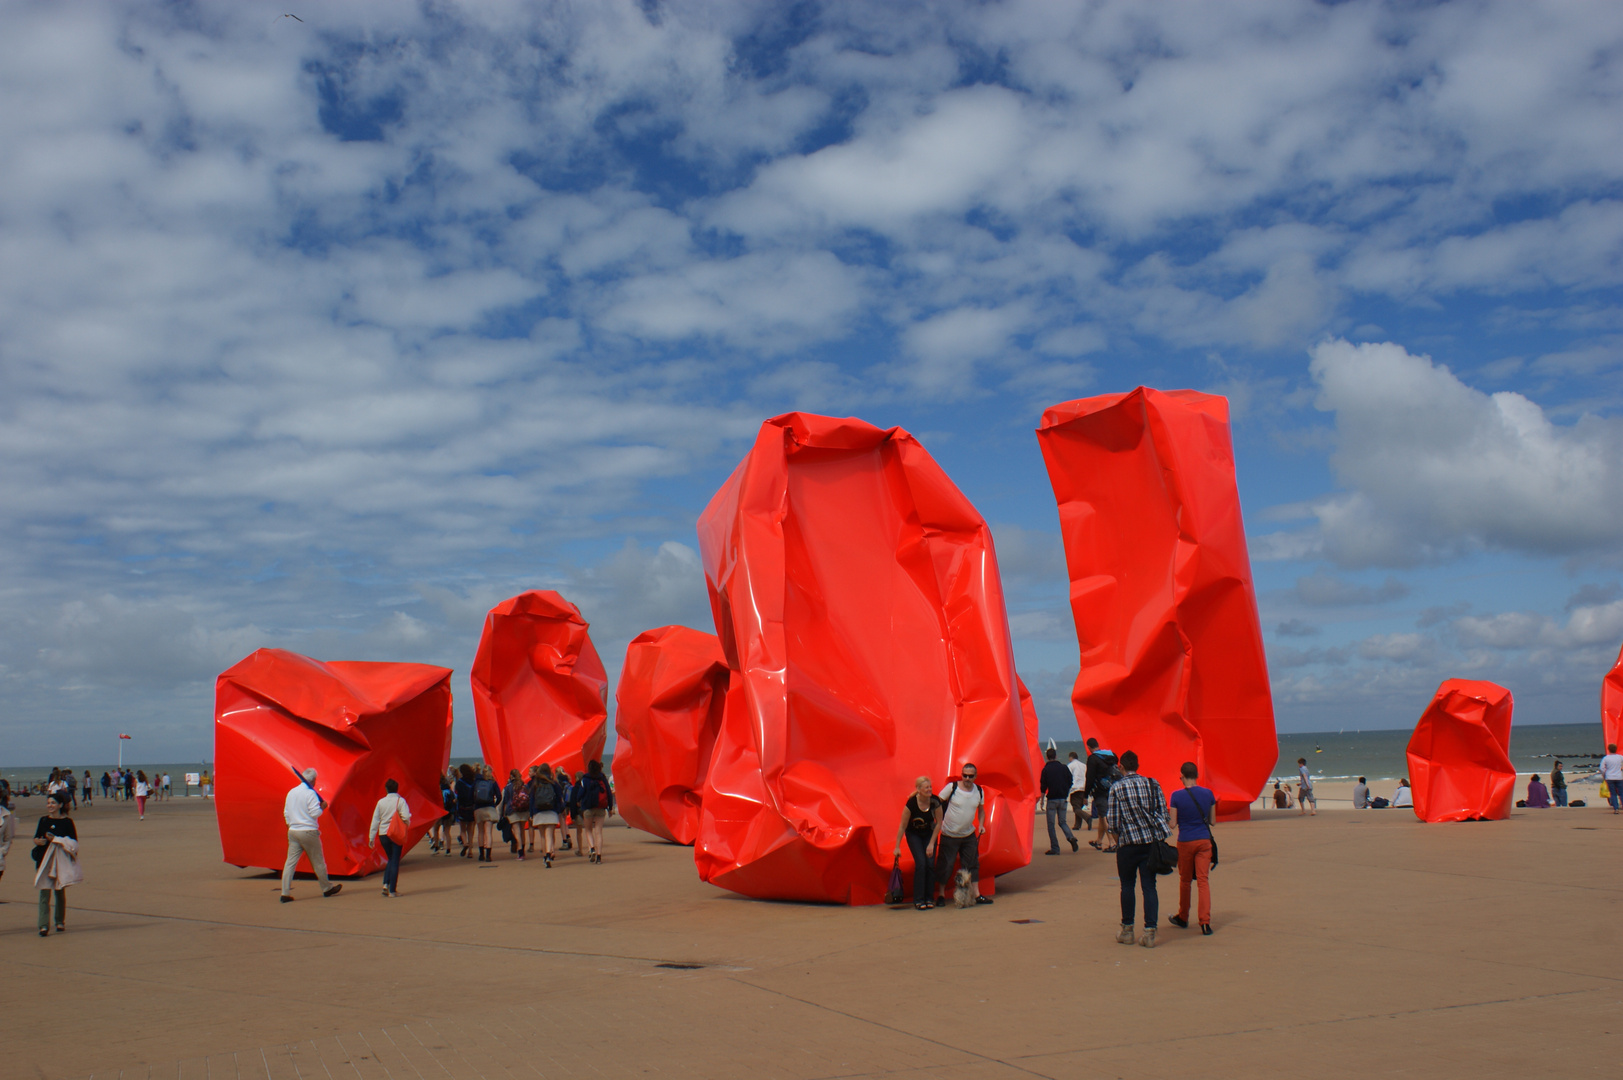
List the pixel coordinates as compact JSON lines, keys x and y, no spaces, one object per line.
{"x":1137,"y":817}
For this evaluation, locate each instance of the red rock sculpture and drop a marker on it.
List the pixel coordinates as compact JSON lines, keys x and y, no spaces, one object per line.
{"x":356,"y":723}
{"x":540,"y":693}
{"x":1172,"y":662}
{"x":1611,"y":703}
{"x":858,"y":603}
{"x":1459,"y":754}
{"x":668,"y":708}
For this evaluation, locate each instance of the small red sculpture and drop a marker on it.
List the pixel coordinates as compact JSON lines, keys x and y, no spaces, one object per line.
{"x":857,"y":599}
{"x":540,"y":693}
{"x":1459,"y":754}
{"x":1611,"y":704}
{"x":668,"y":708}
{"x":356,"y":723}
{"x":1172,"y":662}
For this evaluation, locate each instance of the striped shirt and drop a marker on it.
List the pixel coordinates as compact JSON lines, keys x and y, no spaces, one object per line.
{"x":1137,"y":813}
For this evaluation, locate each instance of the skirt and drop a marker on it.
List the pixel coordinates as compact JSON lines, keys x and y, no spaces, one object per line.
{"x":487,"y":813}
{"x":544,"y":817}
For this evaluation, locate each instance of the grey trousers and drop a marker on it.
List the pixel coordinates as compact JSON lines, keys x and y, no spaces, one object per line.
{"x":304,"y":842}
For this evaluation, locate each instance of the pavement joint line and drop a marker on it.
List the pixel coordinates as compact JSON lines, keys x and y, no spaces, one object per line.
{"x":1274,"y":1028}
{"x":397,"y":939}
{"x":887,"y":1027}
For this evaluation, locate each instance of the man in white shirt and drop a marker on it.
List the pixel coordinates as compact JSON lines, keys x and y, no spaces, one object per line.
{"x":302,"y":812}
{"x":1611,"y":771}
{"x":1079,"y":791}
{"x":958,"y":835}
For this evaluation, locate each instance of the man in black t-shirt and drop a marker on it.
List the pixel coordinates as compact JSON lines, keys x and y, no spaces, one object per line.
{"x":1056,"y":784}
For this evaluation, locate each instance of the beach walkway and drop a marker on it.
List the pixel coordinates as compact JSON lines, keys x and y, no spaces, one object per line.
{"x":1350,"y":944}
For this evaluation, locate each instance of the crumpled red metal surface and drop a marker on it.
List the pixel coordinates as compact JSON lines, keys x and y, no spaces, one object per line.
{"x":668,"y":708}
{"x":1459,"y":754}
{"x":1172,"y":662}
{"x":540,"y":693}
{"x":1611,"y":704}
{"x":356,"y":723}
{"x":857,"y":599}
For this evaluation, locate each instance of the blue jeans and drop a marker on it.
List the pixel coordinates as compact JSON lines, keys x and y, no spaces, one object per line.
{"x":1560,"y":794}
{"x":391,"y":872}
{"x":921,"y":866}
{"x":1058,"y":808}
{"x":1614,"y":793}
{"x":1133,"y":860}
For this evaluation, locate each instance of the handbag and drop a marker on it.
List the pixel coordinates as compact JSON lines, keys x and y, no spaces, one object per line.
{"x":397,"y":830}
{"x":893,"y":895}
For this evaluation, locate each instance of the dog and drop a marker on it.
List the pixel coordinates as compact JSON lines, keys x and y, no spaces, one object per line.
{"x":963,"y":890}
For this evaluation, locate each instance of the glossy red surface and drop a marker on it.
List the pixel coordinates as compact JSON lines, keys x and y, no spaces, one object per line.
{"x":1172,"y":663}
{"x":857,"y":599}
{"x":356,"y":723}
{"x":540,"y":693}
{"x":1459,"y":760}
{"x":1611,"y":704}
{"x":667,"y":711}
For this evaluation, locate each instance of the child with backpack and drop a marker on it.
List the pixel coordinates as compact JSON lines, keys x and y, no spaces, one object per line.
{"x":595,"y":800}
{"x":516,"y":809}
{"x":486,"y":810}
{"x":546,"y":805}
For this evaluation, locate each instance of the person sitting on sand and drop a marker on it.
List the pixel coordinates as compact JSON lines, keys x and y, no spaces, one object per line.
{"x":1538,"y":796}
{"x":1282,"y":798}
{"x":1361,"y":794}
{"x":1403,"y":797}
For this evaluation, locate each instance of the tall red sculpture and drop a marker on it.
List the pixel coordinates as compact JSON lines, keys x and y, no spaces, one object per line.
{"x":1172,"y":663}
{"x":858,"y":603}
{"x":1459,"y":754}
{"x":1611,"y":704}
{"x":358,"y":724}
{"x":668,"y":709}
{"x":540,"y":693}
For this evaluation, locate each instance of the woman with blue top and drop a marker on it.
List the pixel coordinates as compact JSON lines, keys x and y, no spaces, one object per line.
{"x":1196,"y":808}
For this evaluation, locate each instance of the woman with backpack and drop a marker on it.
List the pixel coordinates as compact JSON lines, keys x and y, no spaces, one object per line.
{"x":487,"y":810}
{"x":569,"y":812}
{"x":439,"y":835}
{"x":516,"y":809}
{"x":545,"y":802}
{"x":465,"y":780}
{"x":596,"y":801}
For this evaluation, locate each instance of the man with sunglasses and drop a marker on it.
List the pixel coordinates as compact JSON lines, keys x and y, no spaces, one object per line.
{"x":958,"y":833}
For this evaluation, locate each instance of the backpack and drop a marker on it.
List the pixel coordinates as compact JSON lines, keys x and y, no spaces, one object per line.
{"x":448,"y":800}
{"x":594,"y":794}
{"x":484,"y":792}
{"x":546,"y":796}
{"x":521,"y":801}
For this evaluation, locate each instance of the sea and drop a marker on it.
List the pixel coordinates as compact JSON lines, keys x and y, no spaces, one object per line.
{"x":1331,"y":755}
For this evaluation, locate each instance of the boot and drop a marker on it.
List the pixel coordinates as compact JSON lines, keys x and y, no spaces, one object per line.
{"x":1124,"y":936}
{"x":1148,"y":940}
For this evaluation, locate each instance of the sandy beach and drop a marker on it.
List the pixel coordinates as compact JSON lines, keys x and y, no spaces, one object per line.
{"x":1347,"y":945}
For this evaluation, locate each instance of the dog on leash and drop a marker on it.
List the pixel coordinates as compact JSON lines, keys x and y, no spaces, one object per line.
{"x":963,"y":889}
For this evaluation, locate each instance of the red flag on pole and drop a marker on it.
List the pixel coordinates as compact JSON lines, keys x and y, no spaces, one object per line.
{"x":124,"y":736}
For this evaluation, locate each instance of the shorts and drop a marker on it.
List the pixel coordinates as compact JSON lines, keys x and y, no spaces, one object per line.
{"x":1308,"y":796}
{"x":487,"y":813}
{"x":593,"y":815}
{"x":1099,"y":802}
{"x":544,"y":817}
{"x":1079,"y":800}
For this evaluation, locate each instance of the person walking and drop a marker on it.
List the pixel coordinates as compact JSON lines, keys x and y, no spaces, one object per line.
{"x":1056,"y":781}
{"x":1196,"y":810}
{"x":595,"y":799}
{"x":1078,"y":797}
{"x":487,"y":810}
{"x":56,"y":861}
{"x":1101,"y":770}
{"x":466,"y":778}
{"x":571,"y":810}
{"x":439,"y":835}
{"x":8,"y":827}
{"x":516,"y":809}
{"x":129,"y":785}
{"x":389,"y":807}
{"x":1304,"y":790}
{"x":958,"y":831}
{"x":106,"y":784}
{"x":142,"y":790}
{"x":1558,"y":785}
{"x":166,"y":788}
{"x":88,"y":789}
{"x":1611,"y":771}
{"x":921,"y":816}
{"x":1137,"y":818}
{"x":545,"y":806}
{"x":302,"y":811}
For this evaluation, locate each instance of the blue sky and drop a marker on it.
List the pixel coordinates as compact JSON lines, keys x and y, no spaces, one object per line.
{"x":331,"y":334}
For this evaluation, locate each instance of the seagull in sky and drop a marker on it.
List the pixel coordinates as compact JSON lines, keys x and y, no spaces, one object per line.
{"x":290,"y":15}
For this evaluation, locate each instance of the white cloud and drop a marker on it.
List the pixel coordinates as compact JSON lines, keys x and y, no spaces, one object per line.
{"x":1436,"y":466}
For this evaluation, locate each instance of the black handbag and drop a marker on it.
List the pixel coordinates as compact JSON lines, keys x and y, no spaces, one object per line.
{"x":1164,"y":857}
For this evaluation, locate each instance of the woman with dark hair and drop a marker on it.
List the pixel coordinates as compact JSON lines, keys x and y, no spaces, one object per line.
{"x":516,"y":809}
{"x":596,"y":801}
{"x":569,"y":813}
{"x":142,"y":790}
{"x":388,"y":808}
{"x":546,"y":802}
{"x":440,"y":833}
{"x":487,"y":811}
{"x":465,"y":779}
{"x":56,"y":854}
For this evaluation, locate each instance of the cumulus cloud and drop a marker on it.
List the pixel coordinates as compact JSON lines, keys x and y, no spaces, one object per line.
{"x":1437,"y":467}
{"x":1326,"y":590}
